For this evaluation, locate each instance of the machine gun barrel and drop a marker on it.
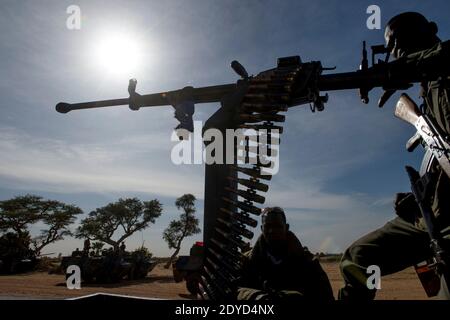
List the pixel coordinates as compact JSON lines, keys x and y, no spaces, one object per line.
{"x":64,"y":107}
{"x":200,"y":95}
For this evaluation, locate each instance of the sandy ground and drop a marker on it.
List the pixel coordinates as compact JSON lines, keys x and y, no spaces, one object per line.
{"x":160,"y":284}
{"x":404,"y":285}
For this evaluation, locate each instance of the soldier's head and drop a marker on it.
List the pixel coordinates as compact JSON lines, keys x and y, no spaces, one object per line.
{"x":409,"y":32}
{"x":274,"y":227}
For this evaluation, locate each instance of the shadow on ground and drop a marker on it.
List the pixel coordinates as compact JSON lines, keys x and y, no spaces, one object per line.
{"x":188,"y":296}
{"x":126,"y":283}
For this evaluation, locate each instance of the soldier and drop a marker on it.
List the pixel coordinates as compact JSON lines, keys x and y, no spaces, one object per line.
{"x":86,"y":247}
{"x":403,"y":241}
{"x":76,"y":253}
{"x":278,"y":266}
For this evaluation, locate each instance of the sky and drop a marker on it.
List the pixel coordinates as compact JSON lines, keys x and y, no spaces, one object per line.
{"x":339,"y":169}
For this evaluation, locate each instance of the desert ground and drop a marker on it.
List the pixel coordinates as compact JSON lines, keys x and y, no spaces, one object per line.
{"x":159,"y":284}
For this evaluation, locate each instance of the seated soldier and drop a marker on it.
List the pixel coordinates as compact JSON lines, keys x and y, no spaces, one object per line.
{"x":279,"y":267}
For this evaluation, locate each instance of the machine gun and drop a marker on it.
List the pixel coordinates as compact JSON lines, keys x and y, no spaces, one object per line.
{"x":262,"y":99}
{"x":303,"y":86}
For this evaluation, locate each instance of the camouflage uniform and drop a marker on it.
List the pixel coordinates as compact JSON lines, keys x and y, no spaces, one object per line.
{"x":298,"y":275}
{"x":403,"y":241}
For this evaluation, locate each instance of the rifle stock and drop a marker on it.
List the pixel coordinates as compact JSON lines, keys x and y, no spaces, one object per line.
{"x":407,"y":110}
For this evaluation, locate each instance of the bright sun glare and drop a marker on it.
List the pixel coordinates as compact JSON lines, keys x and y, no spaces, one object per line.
{"x":118,"y":54}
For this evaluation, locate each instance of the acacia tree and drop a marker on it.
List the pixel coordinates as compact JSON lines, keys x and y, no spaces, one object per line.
{"x":57,"y":219}
{"x":186,"y":226}
{"x":19,"y":213}
{"x":126,"y":215}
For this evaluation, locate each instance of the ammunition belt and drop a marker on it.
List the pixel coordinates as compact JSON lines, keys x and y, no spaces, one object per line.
{"x":268,"y":95}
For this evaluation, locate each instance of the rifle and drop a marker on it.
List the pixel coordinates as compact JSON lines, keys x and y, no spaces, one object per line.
{"x":427,"y":132}
{"x":438,"y":150}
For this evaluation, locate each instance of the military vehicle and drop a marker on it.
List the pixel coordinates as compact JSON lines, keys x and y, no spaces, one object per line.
{"x":112,"y":266}
{"x":15,"y":254}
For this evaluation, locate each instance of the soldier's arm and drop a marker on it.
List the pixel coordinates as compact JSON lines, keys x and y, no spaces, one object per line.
{"x":247,"y":275}
{"x":430,"y":62}
{"x":318,"y":285}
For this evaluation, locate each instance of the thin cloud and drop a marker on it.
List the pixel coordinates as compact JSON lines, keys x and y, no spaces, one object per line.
{"x":55,"y":166}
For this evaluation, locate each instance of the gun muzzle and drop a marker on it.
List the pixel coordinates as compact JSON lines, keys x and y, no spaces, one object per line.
{"x":63,"y":107}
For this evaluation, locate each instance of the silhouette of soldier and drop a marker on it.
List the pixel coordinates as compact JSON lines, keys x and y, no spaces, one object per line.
{"x":403,"y":241}
{"x":279,"y":267}
{"x":86,"y":246}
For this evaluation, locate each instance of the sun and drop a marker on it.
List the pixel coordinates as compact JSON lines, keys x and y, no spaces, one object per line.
{"x":118,"y":54}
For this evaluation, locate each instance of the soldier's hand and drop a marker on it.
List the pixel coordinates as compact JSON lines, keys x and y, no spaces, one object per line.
{"x":406,"y":207}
